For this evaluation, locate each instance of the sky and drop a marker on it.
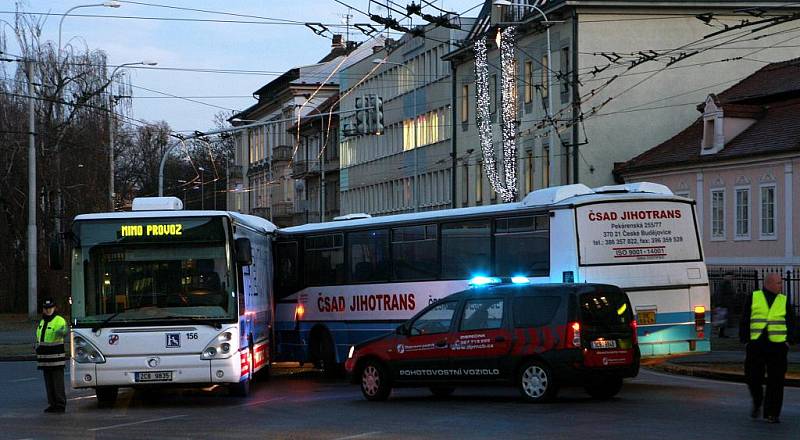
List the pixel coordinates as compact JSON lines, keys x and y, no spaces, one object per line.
{"x":269,"y":49}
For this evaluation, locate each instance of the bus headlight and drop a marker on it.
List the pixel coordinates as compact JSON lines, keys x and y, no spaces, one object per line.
{"x":85,"y":353}
{"x":350,"y":353}
{"x":219,"y":347}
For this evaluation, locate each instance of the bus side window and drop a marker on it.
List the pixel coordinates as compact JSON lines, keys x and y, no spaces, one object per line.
{"x":286,"y":269}
{"x":466,"y":248}
{"x":522,"y":246}
{"x":324,"y":260}
{"x":369,"y":256}
{"x":415,"y":253}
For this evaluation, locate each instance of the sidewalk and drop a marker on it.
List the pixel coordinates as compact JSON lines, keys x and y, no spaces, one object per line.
{"x":725,"y":362}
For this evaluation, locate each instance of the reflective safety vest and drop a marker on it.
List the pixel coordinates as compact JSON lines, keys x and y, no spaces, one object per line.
{"x":773,"y":319}
{"x":50,"y":344}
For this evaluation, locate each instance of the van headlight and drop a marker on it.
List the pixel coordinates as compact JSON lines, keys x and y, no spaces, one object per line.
{"x":219,"y":347}
{"x":350,"y":353}
{"x":84,"y":352}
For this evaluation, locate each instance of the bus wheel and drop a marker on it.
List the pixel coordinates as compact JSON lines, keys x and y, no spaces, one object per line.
{"x":326,"y":354}
{"x":106,"y":396}
{"x":442,"y":392}
{"x":604,"y":388}
{"x":375,"y":382}
{"x":241,"y":389}
{"x":536,"y":382}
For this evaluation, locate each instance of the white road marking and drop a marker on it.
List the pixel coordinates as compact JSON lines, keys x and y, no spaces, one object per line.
{"x":362,"y":435}
{"x":26,"y":379}
{"x":694,"y":378}
{"x":259,"y":402}
{"x":83,"y":397}
{"x":122,"y":425}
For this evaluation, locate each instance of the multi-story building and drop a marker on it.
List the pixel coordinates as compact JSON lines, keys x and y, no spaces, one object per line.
{"x":265,"y":149}
{"x":624,"y":76}
{"x":405,"y":167}
{"x":316,"y":164}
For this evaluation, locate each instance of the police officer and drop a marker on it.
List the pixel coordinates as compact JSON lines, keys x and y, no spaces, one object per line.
{"x":767,"y":327}
{"x":50,"y":355}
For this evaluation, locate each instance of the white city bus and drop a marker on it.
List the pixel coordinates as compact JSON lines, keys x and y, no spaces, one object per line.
{"x":340,"y":283}
{"x":162,"y":296}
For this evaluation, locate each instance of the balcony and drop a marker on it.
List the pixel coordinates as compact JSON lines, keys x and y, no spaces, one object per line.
{"x":261,"y":211}
{"x":282,"y":153}
{"x":305,"y":168}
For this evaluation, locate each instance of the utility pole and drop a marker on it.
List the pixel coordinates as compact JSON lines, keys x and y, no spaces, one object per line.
{"x":32,"y":244}
{"x":322,"y":171}
{"x":111,"y":146}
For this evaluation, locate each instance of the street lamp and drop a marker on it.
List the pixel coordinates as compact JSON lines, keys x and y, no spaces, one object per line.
{"x":110,"y":4}
{"x":416,"y":160}
{"x":500,"y":3}
{"x":111,"y":120}
{"x":202,"y":197}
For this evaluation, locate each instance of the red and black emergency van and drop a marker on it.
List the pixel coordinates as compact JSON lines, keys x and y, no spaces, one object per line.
{"x":535,"y":337}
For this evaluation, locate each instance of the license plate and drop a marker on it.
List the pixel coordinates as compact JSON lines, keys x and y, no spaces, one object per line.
{"x":154,"y":376}
{"x":646,"y":317}
{"x":604,"y":343}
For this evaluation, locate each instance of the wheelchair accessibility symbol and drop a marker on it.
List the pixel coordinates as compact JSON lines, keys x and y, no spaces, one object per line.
{"x":173,"y":340}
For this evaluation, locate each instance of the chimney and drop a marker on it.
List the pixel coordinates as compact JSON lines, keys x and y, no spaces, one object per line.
{"x":337,"y":42}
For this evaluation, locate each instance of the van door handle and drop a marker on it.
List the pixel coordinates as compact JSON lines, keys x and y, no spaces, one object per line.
{"x":442,"y":343}
{"x":500,"y":339}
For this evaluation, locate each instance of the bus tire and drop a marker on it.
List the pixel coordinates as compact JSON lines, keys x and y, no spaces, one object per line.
{"x":106,"y":396}
{"x":241,"y":389}
{"x":324,"y":353}
{"x":536,"y":382}
{"x":604,"y":388}
{"x":375,"y":384}
{"x":442,"y":392}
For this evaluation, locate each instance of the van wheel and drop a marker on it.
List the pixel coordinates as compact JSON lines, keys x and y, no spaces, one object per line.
{"x":604,"y":388}
{"x":536,"y":382}
{"x":241,"y":389}
{"x":375,"y":382}
{"x":106,"y":396}
{"x":442,"y":391}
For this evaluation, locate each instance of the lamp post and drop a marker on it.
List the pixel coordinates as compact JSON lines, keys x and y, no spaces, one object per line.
{"x":551,"y":131}
{"x":416,"y":146}
{"x":202,"y":196}
{"x":111,"y":4}
{"x":111,"y":120}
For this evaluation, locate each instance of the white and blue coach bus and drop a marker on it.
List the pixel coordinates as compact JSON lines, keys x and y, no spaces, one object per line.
{"x":342,"y":282}
{"x":162,"y":296}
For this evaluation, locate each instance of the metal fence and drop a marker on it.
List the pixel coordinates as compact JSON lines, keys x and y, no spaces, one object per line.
{"x":730,"y":286}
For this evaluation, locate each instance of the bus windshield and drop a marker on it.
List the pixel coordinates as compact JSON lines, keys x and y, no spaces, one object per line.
{"x":153,"y":270}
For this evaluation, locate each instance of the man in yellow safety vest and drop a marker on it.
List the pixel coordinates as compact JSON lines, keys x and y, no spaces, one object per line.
{"x":768,"y":328}
{"x":50,"y":355}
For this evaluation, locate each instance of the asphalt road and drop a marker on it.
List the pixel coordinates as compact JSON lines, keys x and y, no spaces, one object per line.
{"x":306,"y":405}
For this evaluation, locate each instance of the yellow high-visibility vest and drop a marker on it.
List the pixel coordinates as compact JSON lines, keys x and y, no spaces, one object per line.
{"x":773,"y":319}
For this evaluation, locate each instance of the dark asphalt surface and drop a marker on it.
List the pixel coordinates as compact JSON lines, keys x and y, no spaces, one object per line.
{"x":654,"y":405}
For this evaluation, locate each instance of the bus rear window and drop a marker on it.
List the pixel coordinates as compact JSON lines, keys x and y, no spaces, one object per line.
{"x":605,"y":308}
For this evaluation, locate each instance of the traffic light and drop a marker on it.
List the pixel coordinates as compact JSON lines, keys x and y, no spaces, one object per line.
{"x":361,"y":117}
{"x":378,"y":115}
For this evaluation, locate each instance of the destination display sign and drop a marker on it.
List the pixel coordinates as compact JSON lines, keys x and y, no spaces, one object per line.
{"x":151,"y":230}
{"x":636,"y":232}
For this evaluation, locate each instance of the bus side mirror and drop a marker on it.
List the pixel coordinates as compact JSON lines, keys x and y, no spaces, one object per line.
{"x":56,"y":255}
{"x":244,"y":255}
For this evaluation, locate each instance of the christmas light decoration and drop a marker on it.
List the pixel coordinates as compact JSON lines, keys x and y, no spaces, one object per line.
{"x":507,"y":187}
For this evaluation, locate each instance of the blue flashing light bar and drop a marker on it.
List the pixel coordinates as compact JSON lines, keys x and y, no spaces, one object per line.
{"x":483,"y":281}
{"x":520,"y":280}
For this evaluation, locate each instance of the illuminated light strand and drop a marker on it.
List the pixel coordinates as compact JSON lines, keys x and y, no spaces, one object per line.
{"x":506,"y":190}
{"x":509,"y":113}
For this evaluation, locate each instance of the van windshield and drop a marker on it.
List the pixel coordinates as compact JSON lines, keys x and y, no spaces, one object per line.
{"x":605,"y":308}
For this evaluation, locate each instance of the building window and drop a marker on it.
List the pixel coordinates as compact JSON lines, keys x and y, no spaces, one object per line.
{"x":718,"y":214}
{"x":465,"y":184}
{"x":545,"y":76}
{"x":528,"y":82}
{"x":529,"y":172}
{"x":479,"y":183}
{"x":465,"y":103}
{"x":493,"y":91}
{"x":564,"y":70}
{"x":742,"y":213}
{"x":768,"y":211}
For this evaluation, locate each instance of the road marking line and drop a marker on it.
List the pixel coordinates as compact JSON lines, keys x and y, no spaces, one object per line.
{"x":122,"y":425}
{"x":83,"y":397}
{"x":26,"y":379}
{"x":258,"y":402}
{"x":362,"y":435}
{"x":694,"y":378}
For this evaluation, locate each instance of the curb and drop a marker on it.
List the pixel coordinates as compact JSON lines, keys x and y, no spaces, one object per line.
{"x":712,"y":374}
